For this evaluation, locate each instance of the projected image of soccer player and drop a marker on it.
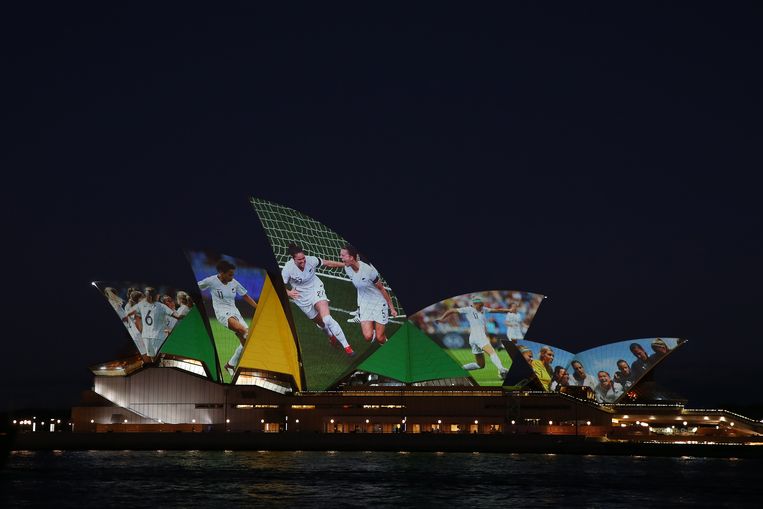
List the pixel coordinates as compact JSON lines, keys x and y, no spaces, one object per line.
{"x":224,"y":289}
{"x":374,"y":303}
{"x":606,"y":390}
{"x":153,"y":318}
{"x":541,"y":368}
{"x":185,"y":301}
{"x":561,"y":379}
{"x":513,"y":321}
{"x":624,"y":375}
{"x":122,"y":310}
{"x":580,"y":377}
{"x":307,"y":292}
{"x":475,"y":315}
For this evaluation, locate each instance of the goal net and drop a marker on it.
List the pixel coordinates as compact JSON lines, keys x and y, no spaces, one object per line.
{"x":284,"y":225}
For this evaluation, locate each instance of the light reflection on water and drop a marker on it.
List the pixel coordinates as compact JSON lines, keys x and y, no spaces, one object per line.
{"x":354,"y":479}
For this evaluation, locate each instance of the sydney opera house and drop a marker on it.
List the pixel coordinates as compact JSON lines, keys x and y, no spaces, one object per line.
{"x":319,"y":342}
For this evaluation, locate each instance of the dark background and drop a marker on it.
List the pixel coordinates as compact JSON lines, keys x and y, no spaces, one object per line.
{"x":602,"y":155}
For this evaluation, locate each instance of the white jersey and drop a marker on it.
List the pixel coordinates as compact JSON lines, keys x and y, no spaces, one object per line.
{"x":365,"y":280}
{"x":477,"y":322}
{"x":182,"y":310}
{"x":513,"y":323}
{"x":131,"y":326}
{"x":306,"y":283}
{"x":154,"y":317}
{"x":171,"y":322}
{"x":372,"y":306}
{"x":302,"y":280}
{"x":223,"y":295}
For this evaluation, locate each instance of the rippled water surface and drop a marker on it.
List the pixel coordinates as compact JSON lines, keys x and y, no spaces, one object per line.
{"x":377,"y":479}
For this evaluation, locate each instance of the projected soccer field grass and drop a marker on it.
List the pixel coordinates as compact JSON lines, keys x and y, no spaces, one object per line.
{"x":486,"y":376}
{"x":323,"y":364}
{"x":226,"y":343}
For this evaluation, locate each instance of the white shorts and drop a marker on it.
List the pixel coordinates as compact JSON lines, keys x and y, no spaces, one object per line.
{"x":374,"y":310}
{"x":478,"y":343}
{"x":153,"y":345}
{"x":223,"y":315}
{"x":308,"y":298}
{"x":514,"y":334}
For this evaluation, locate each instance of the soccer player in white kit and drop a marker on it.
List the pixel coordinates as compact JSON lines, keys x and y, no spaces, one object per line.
{"x":224,"y":289}
{"x":308,"y":293}
{"x":374,"y":303}
{"x":185,"y":301}
{"x":171,"y":322}
{"x":154,"y":316}
{"x":118,"y":304}
{"x":478,"y":339}
{"x":134,"y":297}
{"x":513,"y":323}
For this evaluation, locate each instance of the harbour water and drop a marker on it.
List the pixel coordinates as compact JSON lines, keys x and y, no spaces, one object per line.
{"x":379,"y":479}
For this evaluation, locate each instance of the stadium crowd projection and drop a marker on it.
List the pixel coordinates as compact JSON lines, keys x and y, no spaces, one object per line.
{"x":470,"y":329}
{"x":341,"y":307}
{"x":610,"y":371}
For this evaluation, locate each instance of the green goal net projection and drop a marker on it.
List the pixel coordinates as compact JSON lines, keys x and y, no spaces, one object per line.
{"x":284,"y":225}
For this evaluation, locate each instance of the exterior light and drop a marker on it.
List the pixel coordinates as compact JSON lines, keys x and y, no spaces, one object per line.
{"x":262,"y":421}
{"x":332,"y":421}
{"x":58,"y":421}
{"x":588,"y":423}
{"x":651,"y":417}
{"x":476,"y":421}
{"x":685,"y":423}
{"x":706,"y":418}
{"x":367,"y":421}
{"x":125,"y":421}
{"x":227,"y":421}
{"x":638,"y":423}
{"x":550,"y":423}
{"x":439,"y":421}
{"x":92,"y":421}
{"x":513,"y":422}
{"x":297,"y":421}
{"x":193,"y":421}
{"x":14,"y":421}
{"x":731,"y":424}
{"x":625,"y":417}
{"x":160,"y":421}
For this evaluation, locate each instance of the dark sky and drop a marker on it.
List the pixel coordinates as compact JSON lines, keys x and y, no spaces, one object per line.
{"x":605,"y":156}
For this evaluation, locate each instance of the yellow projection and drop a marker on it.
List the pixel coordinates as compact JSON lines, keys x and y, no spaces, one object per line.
{"x":270,"y":345}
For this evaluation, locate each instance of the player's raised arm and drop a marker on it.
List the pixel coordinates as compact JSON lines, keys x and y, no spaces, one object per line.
{"x":447,"y":314}
{"x":171,"y":312}
{"x":332,"y":264}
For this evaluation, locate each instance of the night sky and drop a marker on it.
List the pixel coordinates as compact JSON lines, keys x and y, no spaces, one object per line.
{"x":604,"y":156}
